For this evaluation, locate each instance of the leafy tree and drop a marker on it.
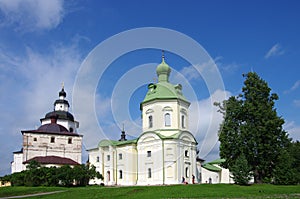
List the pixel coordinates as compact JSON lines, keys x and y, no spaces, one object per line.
{"x":284,"y":173}
{"x":241,"y":170}
{"x":65,"y":175}
{"x":251,"y":127}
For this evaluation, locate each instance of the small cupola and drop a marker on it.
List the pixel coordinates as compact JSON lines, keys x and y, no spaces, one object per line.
{"x":123,"y":135}
{"x":163,"y":70}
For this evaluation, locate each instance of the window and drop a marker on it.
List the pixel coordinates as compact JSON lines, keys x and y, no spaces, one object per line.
{"x":182,"y":121}
{"x":150,"y":121}
{"x":52,"y":140}
{"x":97,"y":160}
{"x":148,"y":153}
{"x":70,"y":141}
{"x":186,"y":153}
{"x":167,"y":119}
{"x":120,"y":174}
{"x":120,"y":156}
{"x":71,"y":129}
{"x":108,"y":157}
{"x":35,"y":139}
{"x":186,"y":172}
{"x":149,"y":173}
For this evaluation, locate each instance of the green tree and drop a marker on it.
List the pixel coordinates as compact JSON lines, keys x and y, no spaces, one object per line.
{"x":241,"y":170}
{"x":251,"y":127}
{"x":284,"y":173}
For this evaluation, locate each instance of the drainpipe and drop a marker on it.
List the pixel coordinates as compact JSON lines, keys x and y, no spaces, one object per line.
{"x":163,"y":153}
{"x":116,"y":168}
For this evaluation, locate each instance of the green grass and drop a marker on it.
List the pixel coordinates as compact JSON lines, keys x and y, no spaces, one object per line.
{"x":176,"y":191}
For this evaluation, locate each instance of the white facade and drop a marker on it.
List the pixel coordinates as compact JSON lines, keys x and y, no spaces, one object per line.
{"x":57,"y":136}
{"x":164,"y":153}
{"x":35,"y":144}
{"x":213,"y":173}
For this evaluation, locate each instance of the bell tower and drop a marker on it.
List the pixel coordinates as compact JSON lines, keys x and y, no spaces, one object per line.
{"x":164,"y":107}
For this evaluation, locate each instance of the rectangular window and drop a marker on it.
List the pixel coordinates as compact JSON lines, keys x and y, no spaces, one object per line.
{"x":70,"y":141}
{"x":108,"y":157}
{"x":120,"y":156}
{"x":182,"y":121}
{"x":150,"y":121}
{"x":120,"y":174}
{"x":97,"y":159}
{"x":35,"y":139}
{"x":52,"y":140}
{"x":149,"y":173}
{"x":148,"y":153}
{"x":186,"y":153}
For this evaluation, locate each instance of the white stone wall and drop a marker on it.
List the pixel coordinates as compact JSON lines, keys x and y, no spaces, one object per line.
{"x":154,"y":163}
{"x":40,"y":145}
{"x":17,"y":164}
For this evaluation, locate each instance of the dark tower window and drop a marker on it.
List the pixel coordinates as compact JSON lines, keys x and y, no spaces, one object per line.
{"x":150,"y":121}
{"x":70,"y":141}
{"x":120,"y":156}
{"x":35,"y":139}
{"x":71,"y":129}
{"x":52,"y":140}
{"x":148,"y":153}
{"x":182,"y":121}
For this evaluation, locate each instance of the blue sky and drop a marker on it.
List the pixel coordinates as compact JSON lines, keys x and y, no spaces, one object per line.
{"x":44,"y":43}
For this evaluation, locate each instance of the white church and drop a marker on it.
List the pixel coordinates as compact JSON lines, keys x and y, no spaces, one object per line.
{"x":165,"y":151}
{"x":55,"y":143}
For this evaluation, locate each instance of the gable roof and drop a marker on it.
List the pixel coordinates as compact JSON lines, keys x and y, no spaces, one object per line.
{"x":52,"y":160}
{"x":210,"y":165}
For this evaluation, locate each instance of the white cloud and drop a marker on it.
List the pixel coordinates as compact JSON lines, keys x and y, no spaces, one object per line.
{"x":194,"y":72}
{"x":296,"y":103}
{"x":294,"y":87}
{"x":30,"y":84}
{"x":205,"y":121}
{"x":276,"y":50}
{"x":293,"y":129}
{"x":32,"y":15}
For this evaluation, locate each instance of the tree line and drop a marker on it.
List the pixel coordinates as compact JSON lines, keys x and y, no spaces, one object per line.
{"x":252,"y":138}
{"x":36,"y":175}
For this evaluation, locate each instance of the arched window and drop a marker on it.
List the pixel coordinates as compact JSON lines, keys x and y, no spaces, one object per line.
{"x":149,"y":173}
{"x":150,"y":121}
{"x":167,"y":119}
{"x":182,"y":121}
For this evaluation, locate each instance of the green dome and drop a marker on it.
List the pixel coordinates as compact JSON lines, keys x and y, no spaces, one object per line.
{"x":163,"y":68}
{"x":165,"y":91}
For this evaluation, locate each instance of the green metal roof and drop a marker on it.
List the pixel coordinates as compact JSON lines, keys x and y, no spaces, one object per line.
{"x":103,"y":143}
{"x":163,"y":89}
{"x":211,"y":167}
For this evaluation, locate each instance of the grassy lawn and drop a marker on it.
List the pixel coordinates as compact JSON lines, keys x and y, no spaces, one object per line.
{"x":177,"y":191}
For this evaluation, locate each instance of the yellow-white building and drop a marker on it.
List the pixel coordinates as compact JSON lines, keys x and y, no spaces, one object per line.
{"x":165,"y":151}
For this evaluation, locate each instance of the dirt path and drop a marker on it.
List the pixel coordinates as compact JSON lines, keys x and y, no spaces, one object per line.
{"x":32,"y":195}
